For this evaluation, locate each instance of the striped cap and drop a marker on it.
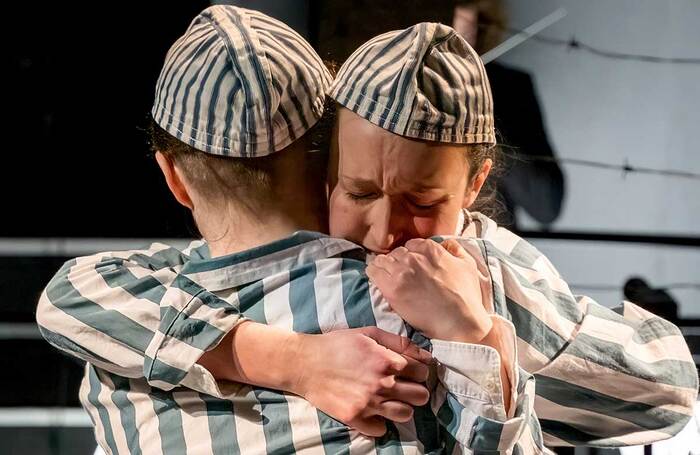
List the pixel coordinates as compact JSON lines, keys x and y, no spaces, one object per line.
{"x":239,"y":83}
{"x":424,"y":82}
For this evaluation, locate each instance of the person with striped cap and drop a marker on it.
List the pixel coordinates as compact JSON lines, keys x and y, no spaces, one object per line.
{"x":413,"y":147}
{"x":232,"y":126}
{"x":287,"y":284}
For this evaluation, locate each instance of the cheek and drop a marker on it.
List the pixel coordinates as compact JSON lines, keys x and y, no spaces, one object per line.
{"x":441,"y":223}
{"x":346,"y":218}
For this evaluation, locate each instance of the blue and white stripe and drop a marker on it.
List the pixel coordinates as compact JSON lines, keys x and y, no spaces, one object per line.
{"x":280,"y":284}
{"x":603,"y":377}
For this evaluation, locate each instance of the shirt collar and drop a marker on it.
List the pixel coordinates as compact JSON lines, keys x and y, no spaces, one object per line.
{"x":237,"y":269}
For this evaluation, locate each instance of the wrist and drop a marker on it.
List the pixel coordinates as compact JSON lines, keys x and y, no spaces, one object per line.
{"x":467,"y":332}
{"x":265,"y":356}
{"x":299,"y":354}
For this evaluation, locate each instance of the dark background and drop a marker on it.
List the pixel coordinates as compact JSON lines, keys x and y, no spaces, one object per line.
{"x":79,"y":83}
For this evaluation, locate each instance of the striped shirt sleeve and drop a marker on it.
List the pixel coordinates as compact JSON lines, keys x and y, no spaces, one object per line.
{"x":113,"y":310}
{"x":604,"y":377}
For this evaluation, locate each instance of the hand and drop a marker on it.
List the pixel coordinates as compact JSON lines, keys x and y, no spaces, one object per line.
{"x":434,"y":287}
{"x":361,"y":376}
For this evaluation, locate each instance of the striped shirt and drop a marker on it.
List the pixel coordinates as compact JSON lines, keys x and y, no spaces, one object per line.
{"x":142,"y":319}
{"x":308,"y":283}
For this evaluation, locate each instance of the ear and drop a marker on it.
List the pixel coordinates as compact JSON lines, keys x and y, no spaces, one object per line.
{"x":477,"y":182}
{"x":174,"y":180}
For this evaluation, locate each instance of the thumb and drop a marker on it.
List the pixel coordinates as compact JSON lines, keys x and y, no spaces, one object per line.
{"x":391,"y":341}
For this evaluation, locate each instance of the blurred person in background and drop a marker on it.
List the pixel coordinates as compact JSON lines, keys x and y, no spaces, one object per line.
{"x":534,"y":185}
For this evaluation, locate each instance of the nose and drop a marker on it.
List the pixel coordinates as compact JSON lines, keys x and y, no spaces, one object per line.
{"x":385,"y":231}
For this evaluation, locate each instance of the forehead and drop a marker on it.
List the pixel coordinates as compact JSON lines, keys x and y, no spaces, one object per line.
{"x":368,"y":152}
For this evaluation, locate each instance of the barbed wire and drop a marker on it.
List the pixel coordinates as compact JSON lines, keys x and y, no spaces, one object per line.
{"x":574,"y":44}
{"x":611,"y":287}
{"x":625,"y":168}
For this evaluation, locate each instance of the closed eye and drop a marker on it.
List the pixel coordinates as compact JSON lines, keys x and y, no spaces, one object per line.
{"x":429,"y":206}
{"x":425,"y":206}
{"x":362,"y":196}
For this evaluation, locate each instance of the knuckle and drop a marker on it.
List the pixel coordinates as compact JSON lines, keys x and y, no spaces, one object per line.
{"x":368,"y":331}
{"x":353,"y":411}
{"x":404,"y":276}
{"x":383,"y":364}
{"x":414,"y":243}
{"x":419,"y":260}
{"x":386,"y":383}
{"x":450,"y":242}
{"x":397,"y":252}
{"x":345,"y":415}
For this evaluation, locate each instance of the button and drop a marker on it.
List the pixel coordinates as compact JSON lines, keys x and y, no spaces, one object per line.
{"x":491,"y":386}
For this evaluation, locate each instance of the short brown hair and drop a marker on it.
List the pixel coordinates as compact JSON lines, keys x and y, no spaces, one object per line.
{"x":248,"y":180}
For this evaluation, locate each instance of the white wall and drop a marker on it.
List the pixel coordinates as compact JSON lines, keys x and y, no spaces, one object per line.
{"x":611,"y":110}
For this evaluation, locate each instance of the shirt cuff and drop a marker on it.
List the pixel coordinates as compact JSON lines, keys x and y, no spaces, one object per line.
{"x":474,"y":370}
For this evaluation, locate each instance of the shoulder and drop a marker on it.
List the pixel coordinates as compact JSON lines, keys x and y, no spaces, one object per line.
{"x":509,"y":246}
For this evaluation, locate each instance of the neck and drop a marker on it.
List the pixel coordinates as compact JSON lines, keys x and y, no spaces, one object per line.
{"x":244,"y":234}
{"x":297,"y":202}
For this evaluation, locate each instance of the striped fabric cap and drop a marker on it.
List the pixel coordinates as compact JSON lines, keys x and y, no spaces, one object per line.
{"x":239,"y":83}
{"x":424,"y":82}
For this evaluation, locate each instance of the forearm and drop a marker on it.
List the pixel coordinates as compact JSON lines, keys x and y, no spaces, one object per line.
{"x":256,"y":354}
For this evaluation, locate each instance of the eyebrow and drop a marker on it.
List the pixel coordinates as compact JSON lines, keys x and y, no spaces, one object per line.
{"x":358,"y":181}
{"x":361,"y":182}
{"x":425,"y":188}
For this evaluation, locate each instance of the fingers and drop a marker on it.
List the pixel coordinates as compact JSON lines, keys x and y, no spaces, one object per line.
{"x":414,"y":352}
{"x":398,"y":253}
{"x":424,"y":246}
{"x":414,"y":371}
{"x":392,"y":341}
{"x":454,"y":248}
{"x":392,"y":361}
{"x":398,"y":344}
{"x":408,"y":392}
{"x":399,"y":261}
{"x":383,"y":261}
{"x":379,"y":275}
{"x":373,"y":426}
{"x":408,"y":257}
{"x":396,"y":411}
